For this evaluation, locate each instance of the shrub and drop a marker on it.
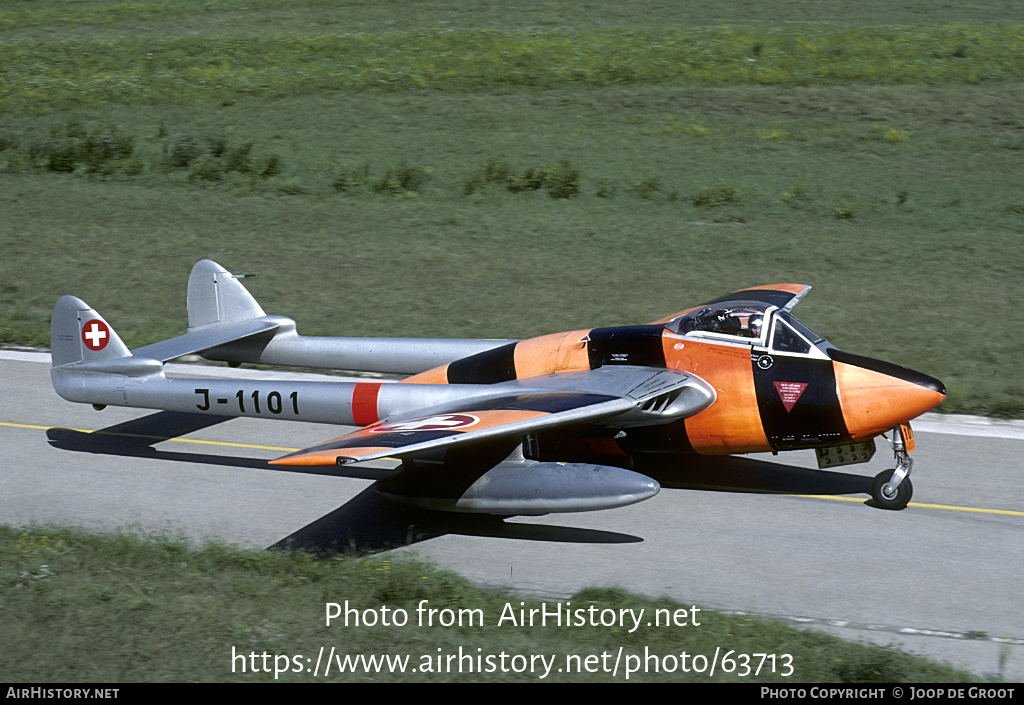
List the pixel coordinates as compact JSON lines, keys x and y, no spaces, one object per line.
{"x":895,"y":135}
{"x":529,"y":180}
{"x":348,"y":179}
{"x":181,"y":150}
{"x":846,"y":211}
{"x":401,"y":180}
{"x":71,"y":147}
{"x":238,"y":158}
{"x":605,"y":189}
{"x":795,"y":195}
{"x":412,"y":178}
{"x":562,"y":180}
{"x":647,"y":188}
{"x":716,"y":197}
{"x":271,"y":166}
{"x":495,"y":171}
{"x":206,"y":168}
{"x":211,"y":158}
{"x":101,"y":151}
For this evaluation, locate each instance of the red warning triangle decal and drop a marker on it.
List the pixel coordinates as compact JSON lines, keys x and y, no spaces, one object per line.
{"x":790,"y":392}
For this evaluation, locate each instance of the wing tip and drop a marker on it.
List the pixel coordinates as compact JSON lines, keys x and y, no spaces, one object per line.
{"x":327,"y":458}
{"x":310,"y":460}
{"x":293,"y":462}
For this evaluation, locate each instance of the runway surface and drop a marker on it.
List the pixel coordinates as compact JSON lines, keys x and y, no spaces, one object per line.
{"x":772,"y":535}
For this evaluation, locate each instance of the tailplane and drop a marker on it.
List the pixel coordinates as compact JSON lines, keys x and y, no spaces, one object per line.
{"x":79,"y":334}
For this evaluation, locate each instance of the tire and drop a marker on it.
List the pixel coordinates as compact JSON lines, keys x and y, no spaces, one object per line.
{"x":903,"y":492}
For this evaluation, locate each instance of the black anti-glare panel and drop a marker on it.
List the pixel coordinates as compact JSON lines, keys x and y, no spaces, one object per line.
{"x":640,"y":346}
{"x":488,"y":367}
{"x":798,"y":402}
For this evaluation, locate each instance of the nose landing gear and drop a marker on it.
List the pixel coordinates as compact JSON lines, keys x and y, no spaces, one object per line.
{"x":892,"y":488}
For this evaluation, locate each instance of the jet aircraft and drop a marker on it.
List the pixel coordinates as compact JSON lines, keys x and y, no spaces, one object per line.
{"x":506,"y":427}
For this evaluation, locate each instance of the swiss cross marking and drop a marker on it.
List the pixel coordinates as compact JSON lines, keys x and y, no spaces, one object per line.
{"x":441,"y":422}
{"x":95,"y":335}
{"x":790,"y":392}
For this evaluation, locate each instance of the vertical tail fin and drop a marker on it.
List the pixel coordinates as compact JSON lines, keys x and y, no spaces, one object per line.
{"x":216,"y":296}
{"x":79,"y":334}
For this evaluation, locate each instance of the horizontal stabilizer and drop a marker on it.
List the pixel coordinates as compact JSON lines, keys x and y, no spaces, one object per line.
{"x":211,"y":336}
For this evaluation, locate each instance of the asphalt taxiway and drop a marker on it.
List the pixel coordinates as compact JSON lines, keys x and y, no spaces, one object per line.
{"x":763,"y":534}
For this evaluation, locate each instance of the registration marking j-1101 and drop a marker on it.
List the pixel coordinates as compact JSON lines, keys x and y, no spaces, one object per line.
{"x":274,"y":402}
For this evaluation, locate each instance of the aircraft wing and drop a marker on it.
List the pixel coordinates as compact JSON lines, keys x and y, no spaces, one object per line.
{"x":618,"y":396}
{"x":785,"y":296}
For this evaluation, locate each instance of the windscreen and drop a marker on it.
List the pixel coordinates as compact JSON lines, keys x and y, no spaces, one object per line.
{"x":792,"y":336}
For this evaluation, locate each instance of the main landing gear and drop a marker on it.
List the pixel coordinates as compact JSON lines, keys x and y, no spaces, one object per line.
{"x":892,"y":488}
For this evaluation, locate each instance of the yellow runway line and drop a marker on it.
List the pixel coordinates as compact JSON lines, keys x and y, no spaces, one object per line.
{"x":230,"y":444}
{"x":922,"y":505}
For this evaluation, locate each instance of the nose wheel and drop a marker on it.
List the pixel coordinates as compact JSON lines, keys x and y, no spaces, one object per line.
{"x":892,"y":489}
{"x":888,"y":493}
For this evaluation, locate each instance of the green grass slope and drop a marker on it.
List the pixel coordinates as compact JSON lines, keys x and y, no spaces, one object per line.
{"x":79,"y":607}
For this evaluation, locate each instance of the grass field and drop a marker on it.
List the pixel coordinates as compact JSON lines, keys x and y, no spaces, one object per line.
{"x":118,"y":609}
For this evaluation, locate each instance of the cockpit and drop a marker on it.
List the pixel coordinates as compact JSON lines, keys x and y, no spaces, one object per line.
{"x":751,"y":323}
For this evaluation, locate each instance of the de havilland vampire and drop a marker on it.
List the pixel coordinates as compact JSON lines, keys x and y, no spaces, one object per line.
{"x":548,"y":424}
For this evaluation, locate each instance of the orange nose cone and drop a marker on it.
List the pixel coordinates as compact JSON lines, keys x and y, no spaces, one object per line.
{"x":876,"y":395}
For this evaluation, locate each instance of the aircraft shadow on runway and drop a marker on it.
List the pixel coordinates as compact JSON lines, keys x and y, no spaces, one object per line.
{"x":371,"y":522}
{"x":136,"y":438}
{"x":739,"y":474}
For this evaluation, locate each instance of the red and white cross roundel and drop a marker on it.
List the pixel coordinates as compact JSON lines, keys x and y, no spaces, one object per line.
{"x":441,"y":422}
{"x":95,"y":335}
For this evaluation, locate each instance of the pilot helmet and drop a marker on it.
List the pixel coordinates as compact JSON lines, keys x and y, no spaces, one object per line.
{"x":754,"y":326}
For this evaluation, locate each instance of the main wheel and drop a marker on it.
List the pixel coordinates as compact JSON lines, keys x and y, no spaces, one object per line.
{"x":898,"y":499}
